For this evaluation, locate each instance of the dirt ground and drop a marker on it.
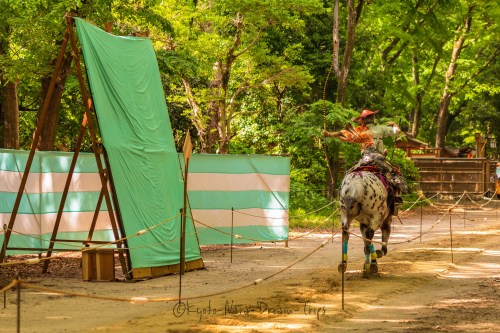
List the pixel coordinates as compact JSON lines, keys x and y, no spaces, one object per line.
{"x":418,"y":287}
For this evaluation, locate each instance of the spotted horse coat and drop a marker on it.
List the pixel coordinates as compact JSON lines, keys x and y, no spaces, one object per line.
{"x":363,"y":197}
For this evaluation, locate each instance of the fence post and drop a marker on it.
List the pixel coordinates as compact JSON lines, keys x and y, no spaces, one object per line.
{"x":451,"y":240}
{"x":232,"y":232}
{"x":18,"y":277}
{"x":421,"y":221}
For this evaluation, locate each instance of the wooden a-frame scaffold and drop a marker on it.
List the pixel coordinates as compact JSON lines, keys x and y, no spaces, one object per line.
{"x":108,"y":195}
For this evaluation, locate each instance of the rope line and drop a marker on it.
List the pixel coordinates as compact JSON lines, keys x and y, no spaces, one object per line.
{"x":421,"y":198}
{"x":137,"y":300}
{"x":414,"y":238}
{"x":316,"y":228}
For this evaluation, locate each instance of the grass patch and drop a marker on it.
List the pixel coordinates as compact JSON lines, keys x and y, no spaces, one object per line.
{"x":322,"y":220}
{"x":410,"y":199}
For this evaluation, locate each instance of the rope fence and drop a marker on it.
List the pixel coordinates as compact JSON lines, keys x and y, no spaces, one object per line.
{"x":135,"y":300}
{"x":421,"y":199}
{"x":20,"y":283}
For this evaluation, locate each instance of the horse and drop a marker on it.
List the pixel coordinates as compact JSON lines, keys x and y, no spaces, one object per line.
{"x":363,"y":197}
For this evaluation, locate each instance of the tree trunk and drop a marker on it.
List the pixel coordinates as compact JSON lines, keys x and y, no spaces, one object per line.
{"x":214,"y":108}
{"x":421,"y":93}
{"x":336,"y":38}
{"x":49,"y":131}
{"x":10,"y":112}
{"x":197,"y":114}
{"x":444,"y":105}
{"x":9,"y":107}
{"x":353,"y":18}
{"x":1,"y":123}
{"x":418,"y":98}
{"x":220,"y":122}
{"x":416,"y":115}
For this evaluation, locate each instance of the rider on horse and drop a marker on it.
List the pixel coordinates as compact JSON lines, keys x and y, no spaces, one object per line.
{"x":370,"y":136}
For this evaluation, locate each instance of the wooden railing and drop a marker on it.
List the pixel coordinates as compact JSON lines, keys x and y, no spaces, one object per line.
{"x":456,"y":175}
{"x":423,"y":152}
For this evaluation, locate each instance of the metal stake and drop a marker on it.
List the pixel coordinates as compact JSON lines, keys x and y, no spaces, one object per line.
{"x":181,"y":269}
{"x":343,"y":272}
{"x":232,"y":232}
{"x":465,"y":210}
{"x":451,"y":241}
{"x":421,"y":222}
{"x":18,"y":277}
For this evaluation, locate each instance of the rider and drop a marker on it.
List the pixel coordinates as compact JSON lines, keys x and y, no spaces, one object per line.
{"x":370,"y":135}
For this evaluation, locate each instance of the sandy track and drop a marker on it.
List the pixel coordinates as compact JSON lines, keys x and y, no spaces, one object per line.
{"x":418,"y":288}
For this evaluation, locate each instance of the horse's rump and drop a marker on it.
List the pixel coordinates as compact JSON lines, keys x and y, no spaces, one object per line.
{"x":363,"y":195}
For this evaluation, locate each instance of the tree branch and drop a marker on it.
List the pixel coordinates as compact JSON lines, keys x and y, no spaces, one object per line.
{"x":479,"y":71}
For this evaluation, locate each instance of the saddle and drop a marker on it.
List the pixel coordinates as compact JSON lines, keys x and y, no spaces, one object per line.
{"x":393,"y":198}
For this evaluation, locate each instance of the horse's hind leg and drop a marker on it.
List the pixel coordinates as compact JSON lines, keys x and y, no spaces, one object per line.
{"x":345,"y":240}
{"x":386,"y":233}
{"x":370,"y":265}
{"x":346,"y":223}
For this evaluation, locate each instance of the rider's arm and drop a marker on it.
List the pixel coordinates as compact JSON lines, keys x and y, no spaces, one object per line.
{"x":391,"y":129}
{"x":332,"y":134}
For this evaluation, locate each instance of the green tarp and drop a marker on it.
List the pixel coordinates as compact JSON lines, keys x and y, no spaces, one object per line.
{"x":136,"y":133}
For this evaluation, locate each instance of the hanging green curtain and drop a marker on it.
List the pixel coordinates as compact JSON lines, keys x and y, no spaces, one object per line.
{"x":136,"y":133}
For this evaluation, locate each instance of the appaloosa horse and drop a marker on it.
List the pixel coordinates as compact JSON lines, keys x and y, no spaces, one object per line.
{"x":363,"y":197}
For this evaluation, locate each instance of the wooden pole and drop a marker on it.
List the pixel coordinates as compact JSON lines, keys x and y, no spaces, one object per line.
{"x":36,"y":138}
{"x":183,"y":219}
{"x":343,"y":284}
{"x":95,"y":147}
{"x":465,"y":210}
{"x":232,"y":232}
{"x":96,"y":215}
{"x":18,"y":277}
{"x":451,"y":241}
{"x":186,"y":150}
{"x":181,"y":261}
{"x":343,"y":269}
{"x":65,"y":192}
{"x":421,"y":213}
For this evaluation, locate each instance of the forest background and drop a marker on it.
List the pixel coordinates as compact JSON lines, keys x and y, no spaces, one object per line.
{"x":267,"y":76}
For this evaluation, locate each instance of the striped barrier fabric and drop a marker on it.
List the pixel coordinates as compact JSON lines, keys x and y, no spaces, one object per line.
{"x":42,"y":196}
{"x":245,"y":194}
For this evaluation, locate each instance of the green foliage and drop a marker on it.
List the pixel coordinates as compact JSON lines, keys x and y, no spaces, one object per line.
{"x":274,"y":97}
{"x":302,"y":194}
{"x":300,"y":219}
{"x":407,"y":167}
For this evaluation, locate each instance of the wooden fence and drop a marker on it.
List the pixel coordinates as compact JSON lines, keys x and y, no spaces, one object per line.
{"x":456,"y":175}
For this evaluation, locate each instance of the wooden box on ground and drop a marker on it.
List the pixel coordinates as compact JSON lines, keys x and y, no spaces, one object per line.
{"x":98,"y":265}
{"x":153,"y":272}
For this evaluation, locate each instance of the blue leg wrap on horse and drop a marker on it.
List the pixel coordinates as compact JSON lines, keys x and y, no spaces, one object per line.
{"x":372,"y":252}
{"x":344,"y":251}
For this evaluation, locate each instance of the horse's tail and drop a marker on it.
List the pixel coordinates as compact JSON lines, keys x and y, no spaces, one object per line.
{"x":353,"y":187}
{"x":351,"y":193}
{"x":348,"y":201}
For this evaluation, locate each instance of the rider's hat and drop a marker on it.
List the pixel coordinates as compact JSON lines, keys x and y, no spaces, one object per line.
{"x":365,"y":114}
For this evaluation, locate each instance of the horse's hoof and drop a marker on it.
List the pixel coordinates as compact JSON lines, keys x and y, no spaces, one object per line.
{"x":379,"y":253}
{"x":342,"y":267}
{"x":366,"y":271}
{"x":373,"y":268}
